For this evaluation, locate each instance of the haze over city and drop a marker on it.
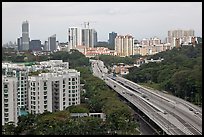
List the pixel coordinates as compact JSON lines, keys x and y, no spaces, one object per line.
{"x":139,"y":19}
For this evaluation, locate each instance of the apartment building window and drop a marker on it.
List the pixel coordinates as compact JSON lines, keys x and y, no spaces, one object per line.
{"x":45,"y":88}
{"x":5,"y":100}
{"x":5,"y":86}
{"x":45,"y":106}
{"x":45,"y":84}
{"x":73,"y":95}
{"x":6,"y":119}
{"x":6,"y":114}
{"x":45,"y":97}
{"x":6,"y":110}
{"x":5,"y":105}
{"x":5,"y":95}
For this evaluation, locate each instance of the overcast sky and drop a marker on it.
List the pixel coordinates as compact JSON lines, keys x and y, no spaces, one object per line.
{"x":140,"y":19}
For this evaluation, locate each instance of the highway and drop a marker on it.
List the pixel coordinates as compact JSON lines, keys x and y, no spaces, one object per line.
{"x":173,"y":115}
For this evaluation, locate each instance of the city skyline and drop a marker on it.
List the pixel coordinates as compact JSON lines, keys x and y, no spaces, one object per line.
{"x":139,"y":19}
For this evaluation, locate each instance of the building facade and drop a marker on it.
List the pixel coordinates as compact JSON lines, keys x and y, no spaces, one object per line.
{"x":111,"y":40}
{"x":35,"y":45}
{"x":52,"y":43}
{"x":124,"y":45}
{"x":9,"y":100}
{"x":21,"y":73}
{"x":25,"y":35}
{"x":74,"y":37}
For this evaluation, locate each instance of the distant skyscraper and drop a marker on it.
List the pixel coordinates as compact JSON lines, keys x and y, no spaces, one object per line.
{"x":95,"y":38}
{"x":89,"y":37}
{"x":35,"y":45}
{"x":111,"y":40}
{"x":19,"y":43}
{"x":25,"y":35}
{"x":52,"y":43}
{"x":74,"y":37}
{"x":124,"y":45}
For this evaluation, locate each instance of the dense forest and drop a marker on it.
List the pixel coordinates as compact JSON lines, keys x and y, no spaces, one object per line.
{"x":180,"y":73}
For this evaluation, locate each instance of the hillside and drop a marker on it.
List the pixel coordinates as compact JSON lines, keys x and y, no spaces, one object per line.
{"x":180,"y":73}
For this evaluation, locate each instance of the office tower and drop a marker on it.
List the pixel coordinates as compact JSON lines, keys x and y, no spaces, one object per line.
{"x":124,"y":45}
{"x":25,"y":35}
{"x":88,"y":37}
{"x":21,"y":73}
{"x":35,"y":45}
{"x":111,"y":40}
{"x":9,"y":100}
{"x":52,"y":43}
{"x":95,"y":38}
{"x":19,"y":43}
{"x":74,"y":37}
{"x":45,"y":46}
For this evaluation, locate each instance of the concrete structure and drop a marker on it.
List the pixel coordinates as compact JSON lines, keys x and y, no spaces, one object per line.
{"x":74,"y":37}
{"x":25,"y":35}
{"x":54,"y":90}
{"x":173,"y":115}
{"x":52,"y":43}
{"x":92,"y":52}
{"x":99,"y":115}
{"x":9,"y":100}
{"x":124,"y":45}
{"x":111,"y":40}
{"x":89,"y":37}
{"x":179,"y":35}
{"x":35,"y":45}
{"x":21,"y":73}
{"x":19,"y":43}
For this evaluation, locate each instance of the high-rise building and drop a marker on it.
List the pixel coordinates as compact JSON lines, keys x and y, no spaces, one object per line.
{"x":21,"y":73}
{"x":74,"y":37}
{"x":183,"y":35}
{"x":19,"y":43}
{"x":95,"y":38}
{"x":35,"y":45}
{"x":111,"y":40}
{"x":54,"y":90}
{"x":89,"y":36}
{"x":9,"y":100}
{"x":124,"y":45}
{"x":52,"y":43}
{"x":25,"y":35}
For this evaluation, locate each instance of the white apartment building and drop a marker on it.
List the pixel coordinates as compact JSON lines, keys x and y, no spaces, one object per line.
{"x":54,"y":91}
{"x":9,"y":100}
{"x":74,"y":37}
{"x":124,"y":45}
{"x":21,"y":73}
{"x":184,"y":36}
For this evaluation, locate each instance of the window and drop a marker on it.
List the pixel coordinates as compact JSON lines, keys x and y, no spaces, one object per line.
{"x":6,"y":114}
{"x":5,"y":86}
{"x":45,"y":88}
{"x":6,"y":110}
{"x":6,"y":119}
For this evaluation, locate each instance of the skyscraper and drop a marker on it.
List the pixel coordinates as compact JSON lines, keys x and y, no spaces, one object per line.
{"x":52,"y":43}
{"x":74,"y":37}
{"x":111,"y":40}
{"x":25,"y":35}
{"x":89,"y":37}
